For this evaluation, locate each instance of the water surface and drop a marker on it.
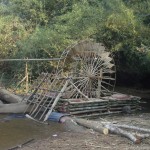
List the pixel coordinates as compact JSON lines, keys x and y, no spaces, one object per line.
{"x":17,"y":131}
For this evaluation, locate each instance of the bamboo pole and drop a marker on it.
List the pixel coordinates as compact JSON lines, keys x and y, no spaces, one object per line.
{"x":99,"y":84}
{"x":79,"y":91}
{"x":87,"y":108}
{"x":89,"y":111}
{"x":56,"y":100}
{"x":27,"y":77}
{"x":33,"y":59}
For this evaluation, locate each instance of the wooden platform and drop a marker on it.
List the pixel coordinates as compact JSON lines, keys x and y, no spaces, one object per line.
{"x":94,"y":108}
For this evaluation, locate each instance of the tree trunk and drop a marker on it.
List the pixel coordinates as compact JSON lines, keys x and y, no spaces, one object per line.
{"x":1,"y":102}
{"x":71,"y":125}
{"x":96,"y":126}
{"x":13,"y":108}
{"x":116,"y":130}
{"x":133,"y":128}
{"x":9,"y":97}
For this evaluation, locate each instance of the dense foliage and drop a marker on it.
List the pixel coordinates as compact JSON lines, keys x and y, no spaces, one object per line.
{"x":43,"y":28}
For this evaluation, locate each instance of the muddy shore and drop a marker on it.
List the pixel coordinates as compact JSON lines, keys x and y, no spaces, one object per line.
{"x":91,"y":140}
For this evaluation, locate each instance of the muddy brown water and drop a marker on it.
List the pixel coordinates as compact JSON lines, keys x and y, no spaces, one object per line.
{"x":17,"y":131}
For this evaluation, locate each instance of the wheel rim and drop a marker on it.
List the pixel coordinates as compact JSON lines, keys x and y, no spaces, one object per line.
{"x":92,"y":71}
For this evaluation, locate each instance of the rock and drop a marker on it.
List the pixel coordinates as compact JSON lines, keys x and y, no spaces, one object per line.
{"x":126,"y":109}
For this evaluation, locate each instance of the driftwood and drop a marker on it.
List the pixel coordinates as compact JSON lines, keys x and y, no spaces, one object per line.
{"x":13,"y":108}
{"x":21,"y":145}
{"x":9,"y":97}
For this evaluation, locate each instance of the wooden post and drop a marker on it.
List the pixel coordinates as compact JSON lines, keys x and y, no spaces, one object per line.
{"x":99,"y":84}
{"x":27,"y":77}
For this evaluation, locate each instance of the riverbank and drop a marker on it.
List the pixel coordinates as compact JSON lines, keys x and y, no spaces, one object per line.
{"x":91,"y":140}
{"x":56,"y":139}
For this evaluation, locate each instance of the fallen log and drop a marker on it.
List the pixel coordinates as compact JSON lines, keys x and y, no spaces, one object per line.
{"x":71,"y":125}
{"x":1,"y":102}
{"x":116,"y":130}
{"x":96,"y":126}
{"x":9,"y":97}
{"x":105,"y":128}
{"x":13,"y":108}
{"x":132,"y":127}
{"x":141,"y":136}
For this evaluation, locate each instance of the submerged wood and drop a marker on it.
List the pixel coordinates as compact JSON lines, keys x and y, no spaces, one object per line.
{"x":9,"y":97}
{"x":96,"y":126}
{"x":13,"y":108}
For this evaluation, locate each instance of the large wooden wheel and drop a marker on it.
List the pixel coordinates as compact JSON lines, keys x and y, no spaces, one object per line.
{"x":92,"y":70}
{"x":88,"y":72}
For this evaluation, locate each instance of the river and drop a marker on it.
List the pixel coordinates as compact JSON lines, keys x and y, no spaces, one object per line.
{"x":19,"y":130}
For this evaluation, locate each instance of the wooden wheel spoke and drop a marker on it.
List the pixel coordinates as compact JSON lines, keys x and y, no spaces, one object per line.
{"x":98,"y":65}
{"x":79,"y":87}
{"x":107,"y":83}
{"x":108,"y":78}
{"x":105,"y":88}
{"x":94,"y":70}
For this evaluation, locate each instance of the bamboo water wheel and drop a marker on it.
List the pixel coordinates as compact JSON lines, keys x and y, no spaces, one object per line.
{"x":91,"y":68}
{"x":86,"y":71}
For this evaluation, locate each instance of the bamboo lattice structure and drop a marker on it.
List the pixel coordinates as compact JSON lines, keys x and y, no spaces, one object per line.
{"x":85,"y":73}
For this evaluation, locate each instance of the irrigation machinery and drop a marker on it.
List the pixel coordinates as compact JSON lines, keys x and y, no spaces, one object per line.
{"x":84,"y":77}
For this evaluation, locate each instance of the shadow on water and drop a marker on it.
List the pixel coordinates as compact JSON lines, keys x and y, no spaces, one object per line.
{"x":17,"y":131}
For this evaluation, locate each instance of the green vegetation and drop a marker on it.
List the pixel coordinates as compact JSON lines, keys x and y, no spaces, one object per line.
{"x":44,"y":28}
